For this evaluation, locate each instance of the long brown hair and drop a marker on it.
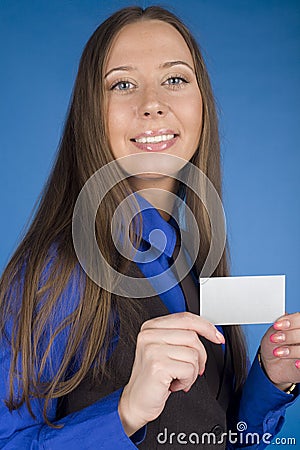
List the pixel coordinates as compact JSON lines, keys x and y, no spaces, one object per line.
{"x":84,"y":148}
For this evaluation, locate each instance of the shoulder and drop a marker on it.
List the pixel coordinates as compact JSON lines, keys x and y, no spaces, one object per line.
{"x":54,"y":286}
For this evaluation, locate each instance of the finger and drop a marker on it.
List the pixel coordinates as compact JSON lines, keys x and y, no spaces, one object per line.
{"x":170,"y":336}
{"x":290,"y":352}
{"x":177,"y":385}
{"x":187,"y":321}
{"x":286,"y":337}
{"x":288,"y":322}
{"x":155,"y":353}
{"x":180,"y":375}
{"x":190,"y":355}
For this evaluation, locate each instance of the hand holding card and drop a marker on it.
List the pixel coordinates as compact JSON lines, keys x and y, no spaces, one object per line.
{"x":280,"y":351}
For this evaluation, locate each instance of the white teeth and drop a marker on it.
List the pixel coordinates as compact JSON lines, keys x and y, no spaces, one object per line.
{"x":155,"y":139}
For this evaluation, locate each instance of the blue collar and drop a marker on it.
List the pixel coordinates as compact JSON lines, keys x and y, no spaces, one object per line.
{"x":156,"y":231}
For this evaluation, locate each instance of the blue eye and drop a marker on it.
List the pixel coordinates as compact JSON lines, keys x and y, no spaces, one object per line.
{"x":122,"y":86}
{"x":173,"y":81}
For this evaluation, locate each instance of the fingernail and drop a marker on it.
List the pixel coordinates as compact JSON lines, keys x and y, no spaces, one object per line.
{"x":282,"y":351}
{"x":220,"y":337}
{"x":297,"y":364}
{"x":277,"y":337}
{"x":282,"y":324}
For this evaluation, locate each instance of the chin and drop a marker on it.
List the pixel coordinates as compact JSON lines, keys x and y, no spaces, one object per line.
{"x":149,"y":176}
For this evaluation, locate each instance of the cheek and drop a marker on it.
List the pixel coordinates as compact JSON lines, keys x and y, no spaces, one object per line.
{"x":117,"y":120}
{"x":192,"y":114}
{"x":118,"y":128}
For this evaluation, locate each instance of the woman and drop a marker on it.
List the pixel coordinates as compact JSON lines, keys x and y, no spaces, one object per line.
{"x":84,"y":367}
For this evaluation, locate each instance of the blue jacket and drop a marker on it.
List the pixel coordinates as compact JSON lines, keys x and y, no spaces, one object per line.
{"x":262,"y":406}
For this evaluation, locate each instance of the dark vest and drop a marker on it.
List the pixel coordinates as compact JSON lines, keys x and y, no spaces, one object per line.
{"x":201,"y":410}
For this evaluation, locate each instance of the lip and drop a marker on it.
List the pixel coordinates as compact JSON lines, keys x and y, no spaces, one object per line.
{"x":159,"y":132}
{"x":155,"y":146}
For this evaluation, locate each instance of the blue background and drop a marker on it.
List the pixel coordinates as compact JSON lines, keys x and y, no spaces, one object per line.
{"x":252,"y":52}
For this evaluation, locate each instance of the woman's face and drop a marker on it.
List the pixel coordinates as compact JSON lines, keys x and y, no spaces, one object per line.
{"x":154,"y":102}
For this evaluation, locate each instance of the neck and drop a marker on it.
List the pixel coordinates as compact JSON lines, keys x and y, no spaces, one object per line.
{"x":157,"y":191}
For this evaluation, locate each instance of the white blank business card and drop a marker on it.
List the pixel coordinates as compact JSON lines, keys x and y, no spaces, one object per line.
{"x":242,"y":300}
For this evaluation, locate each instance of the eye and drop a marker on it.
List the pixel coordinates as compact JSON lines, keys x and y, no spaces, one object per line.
{"x":175,"y":81}
{"x":122,"y":85}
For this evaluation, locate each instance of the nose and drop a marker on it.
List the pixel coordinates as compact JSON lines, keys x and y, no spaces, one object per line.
{"x":152,"y":105}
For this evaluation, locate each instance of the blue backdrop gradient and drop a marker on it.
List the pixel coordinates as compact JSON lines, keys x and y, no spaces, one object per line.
{"x":252,"y":52}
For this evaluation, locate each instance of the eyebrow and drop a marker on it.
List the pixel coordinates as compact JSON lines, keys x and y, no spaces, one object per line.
{"x":165,"y":65}
{"x":175,"y":63}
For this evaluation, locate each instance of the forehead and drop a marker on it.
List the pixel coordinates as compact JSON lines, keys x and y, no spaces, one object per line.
{"x":153,"y":39}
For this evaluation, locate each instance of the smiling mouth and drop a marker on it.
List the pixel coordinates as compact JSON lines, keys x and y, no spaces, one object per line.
{"x":154,"y":139}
